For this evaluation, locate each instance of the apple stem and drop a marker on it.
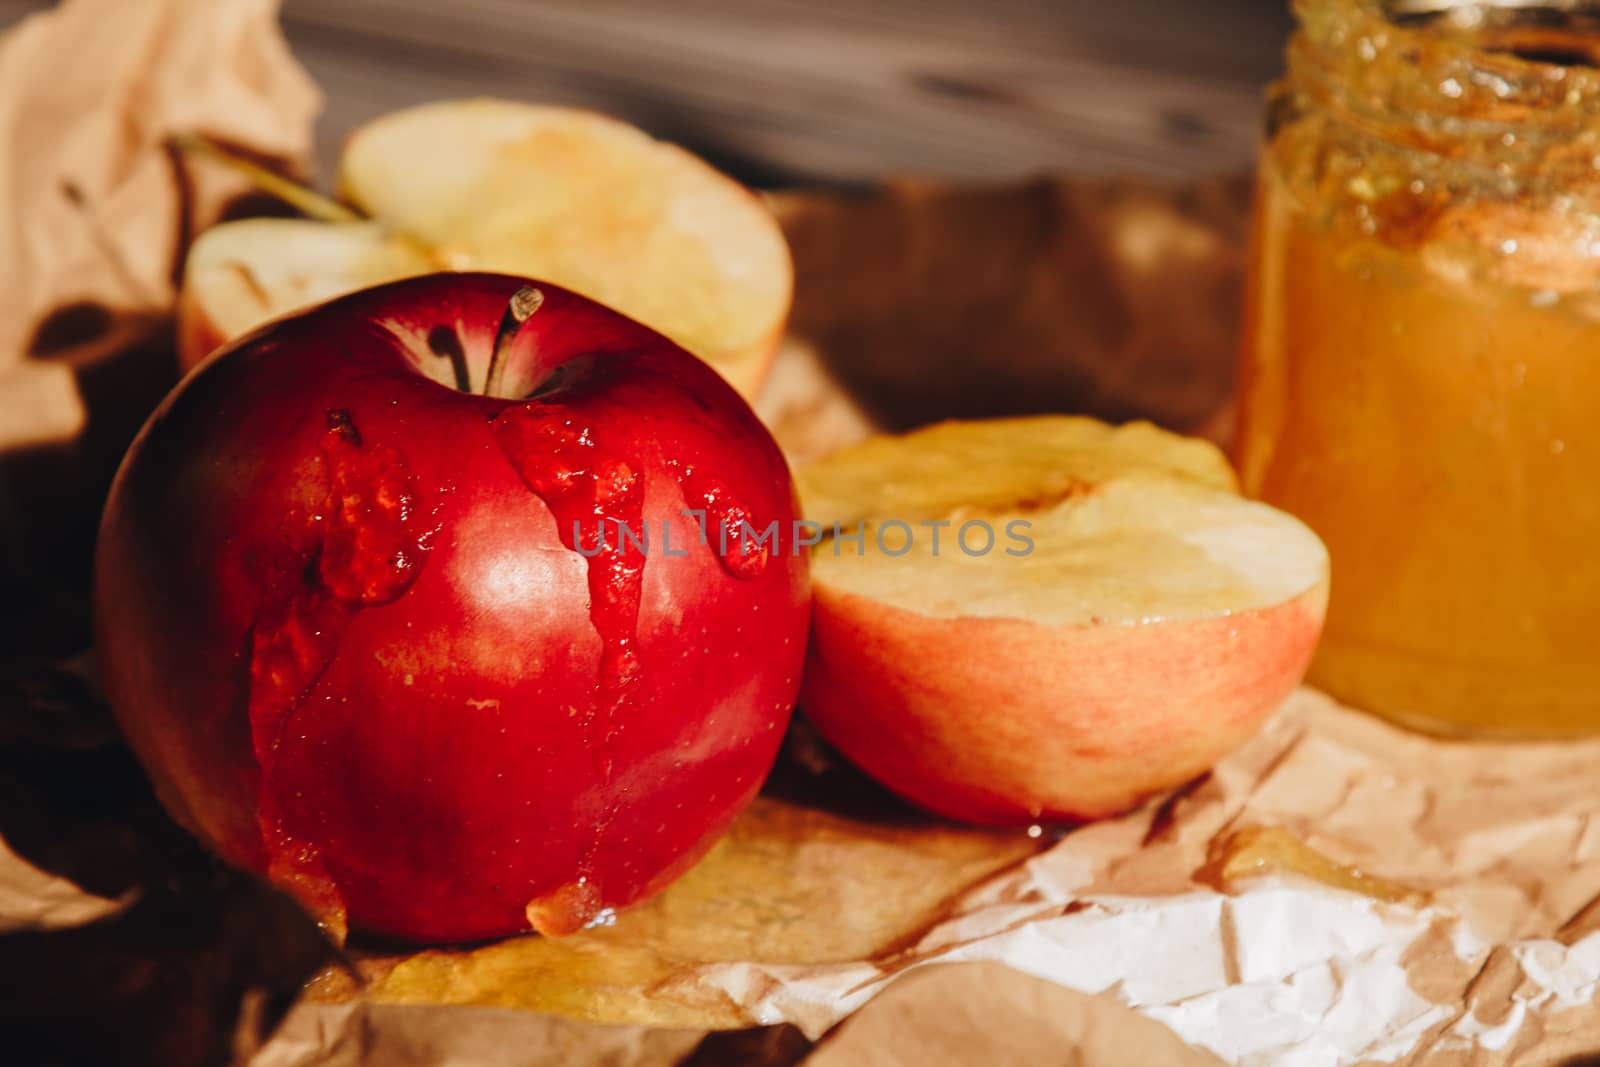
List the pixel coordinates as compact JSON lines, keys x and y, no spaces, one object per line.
{"x":519,"y":309}
{"x":307,"y":201}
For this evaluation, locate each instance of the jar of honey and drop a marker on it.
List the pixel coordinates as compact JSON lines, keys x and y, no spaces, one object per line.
{"x":1421,"y":360}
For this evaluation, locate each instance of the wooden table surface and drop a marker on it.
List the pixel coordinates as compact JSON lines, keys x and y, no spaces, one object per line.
{"x":781,"y":91}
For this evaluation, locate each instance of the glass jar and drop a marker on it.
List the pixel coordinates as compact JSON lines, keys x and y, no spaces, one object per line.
{"x":1421,"y":362}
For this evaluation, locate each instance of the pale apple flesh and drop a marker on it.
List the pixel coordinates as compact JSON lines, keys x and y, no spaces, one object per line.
{"x":955,"y":466}
{"x":243,"y":274}
{"x":343,"y":618}
{"x":1148,"y":625}
{"x":570,"y":196}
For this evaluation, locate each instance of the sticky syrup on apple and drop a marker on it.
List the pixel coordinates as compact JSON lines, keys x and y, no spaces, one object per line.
{"x":364,"y":546}
{"x":732,"y":530}
{"x":567,"y":908}
{"x":592,"y":493}
{"x":589,"y":489}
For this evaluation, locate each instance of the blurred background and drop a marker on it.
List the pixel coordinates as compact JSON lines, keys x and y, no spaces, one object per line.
{"x":839,"y":91}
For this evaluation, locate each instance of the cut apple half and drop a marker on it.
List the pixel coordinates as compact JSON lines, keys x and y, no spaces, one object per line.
{"x":241,"y":274}
{"x":996,"y":463}
{"x":566,"y":196}
{"x":1111,"y":631}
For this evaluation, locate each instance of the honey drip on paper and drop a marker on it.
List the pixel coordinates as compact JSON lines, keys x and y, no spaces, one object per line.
{"x":1256,"y":852}
{"x":363,"y":547}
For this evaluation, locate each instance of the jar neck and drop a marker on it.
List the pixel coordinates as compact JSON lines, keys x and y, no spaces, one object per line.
{"x":1507,"y":88}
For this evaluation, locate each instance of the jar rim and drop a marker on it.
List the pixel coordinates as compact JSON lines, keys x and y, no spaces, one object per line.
{"x":1459,"y":79}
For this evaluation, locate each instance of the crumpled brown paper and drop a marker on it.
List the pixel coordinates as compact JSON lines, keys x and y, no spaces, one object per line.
{"x":1497,"y":960}
{"x":928,"y":1017}
{"x":31,"y":899}
{"x":881,"y":879}
{"x":95,"y":210}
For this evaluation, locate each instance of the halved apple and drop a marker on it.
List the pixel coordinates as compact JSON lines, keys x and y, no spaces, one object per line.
{"x":1099,"y":619}
{"x":567,"y":196}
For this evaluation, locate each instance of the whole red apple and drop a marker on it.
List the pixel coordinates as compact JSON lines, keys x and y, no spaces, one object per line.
{"x":360,"y":623}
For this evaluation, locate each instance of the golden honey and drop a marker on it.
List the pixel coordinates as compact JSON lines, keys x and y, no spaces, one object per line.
{"x":1254,"y":852}
{"x":1420,"y":378}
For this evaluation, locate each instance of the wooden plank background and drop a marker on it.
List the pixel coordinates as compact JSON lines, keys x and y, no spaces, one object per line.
{"x":783,"y":91}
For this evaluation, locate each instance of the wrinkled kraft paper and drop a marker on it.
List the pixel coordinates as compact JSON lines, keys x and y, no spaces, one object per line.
{"x":1494,"y":958}
{"x":95,"y":209}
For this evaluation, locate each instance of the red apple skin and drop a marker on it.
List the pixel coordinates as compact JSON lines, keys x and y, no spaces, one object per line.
{"x":344,"y":636}
{"x":1000,"y":721}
